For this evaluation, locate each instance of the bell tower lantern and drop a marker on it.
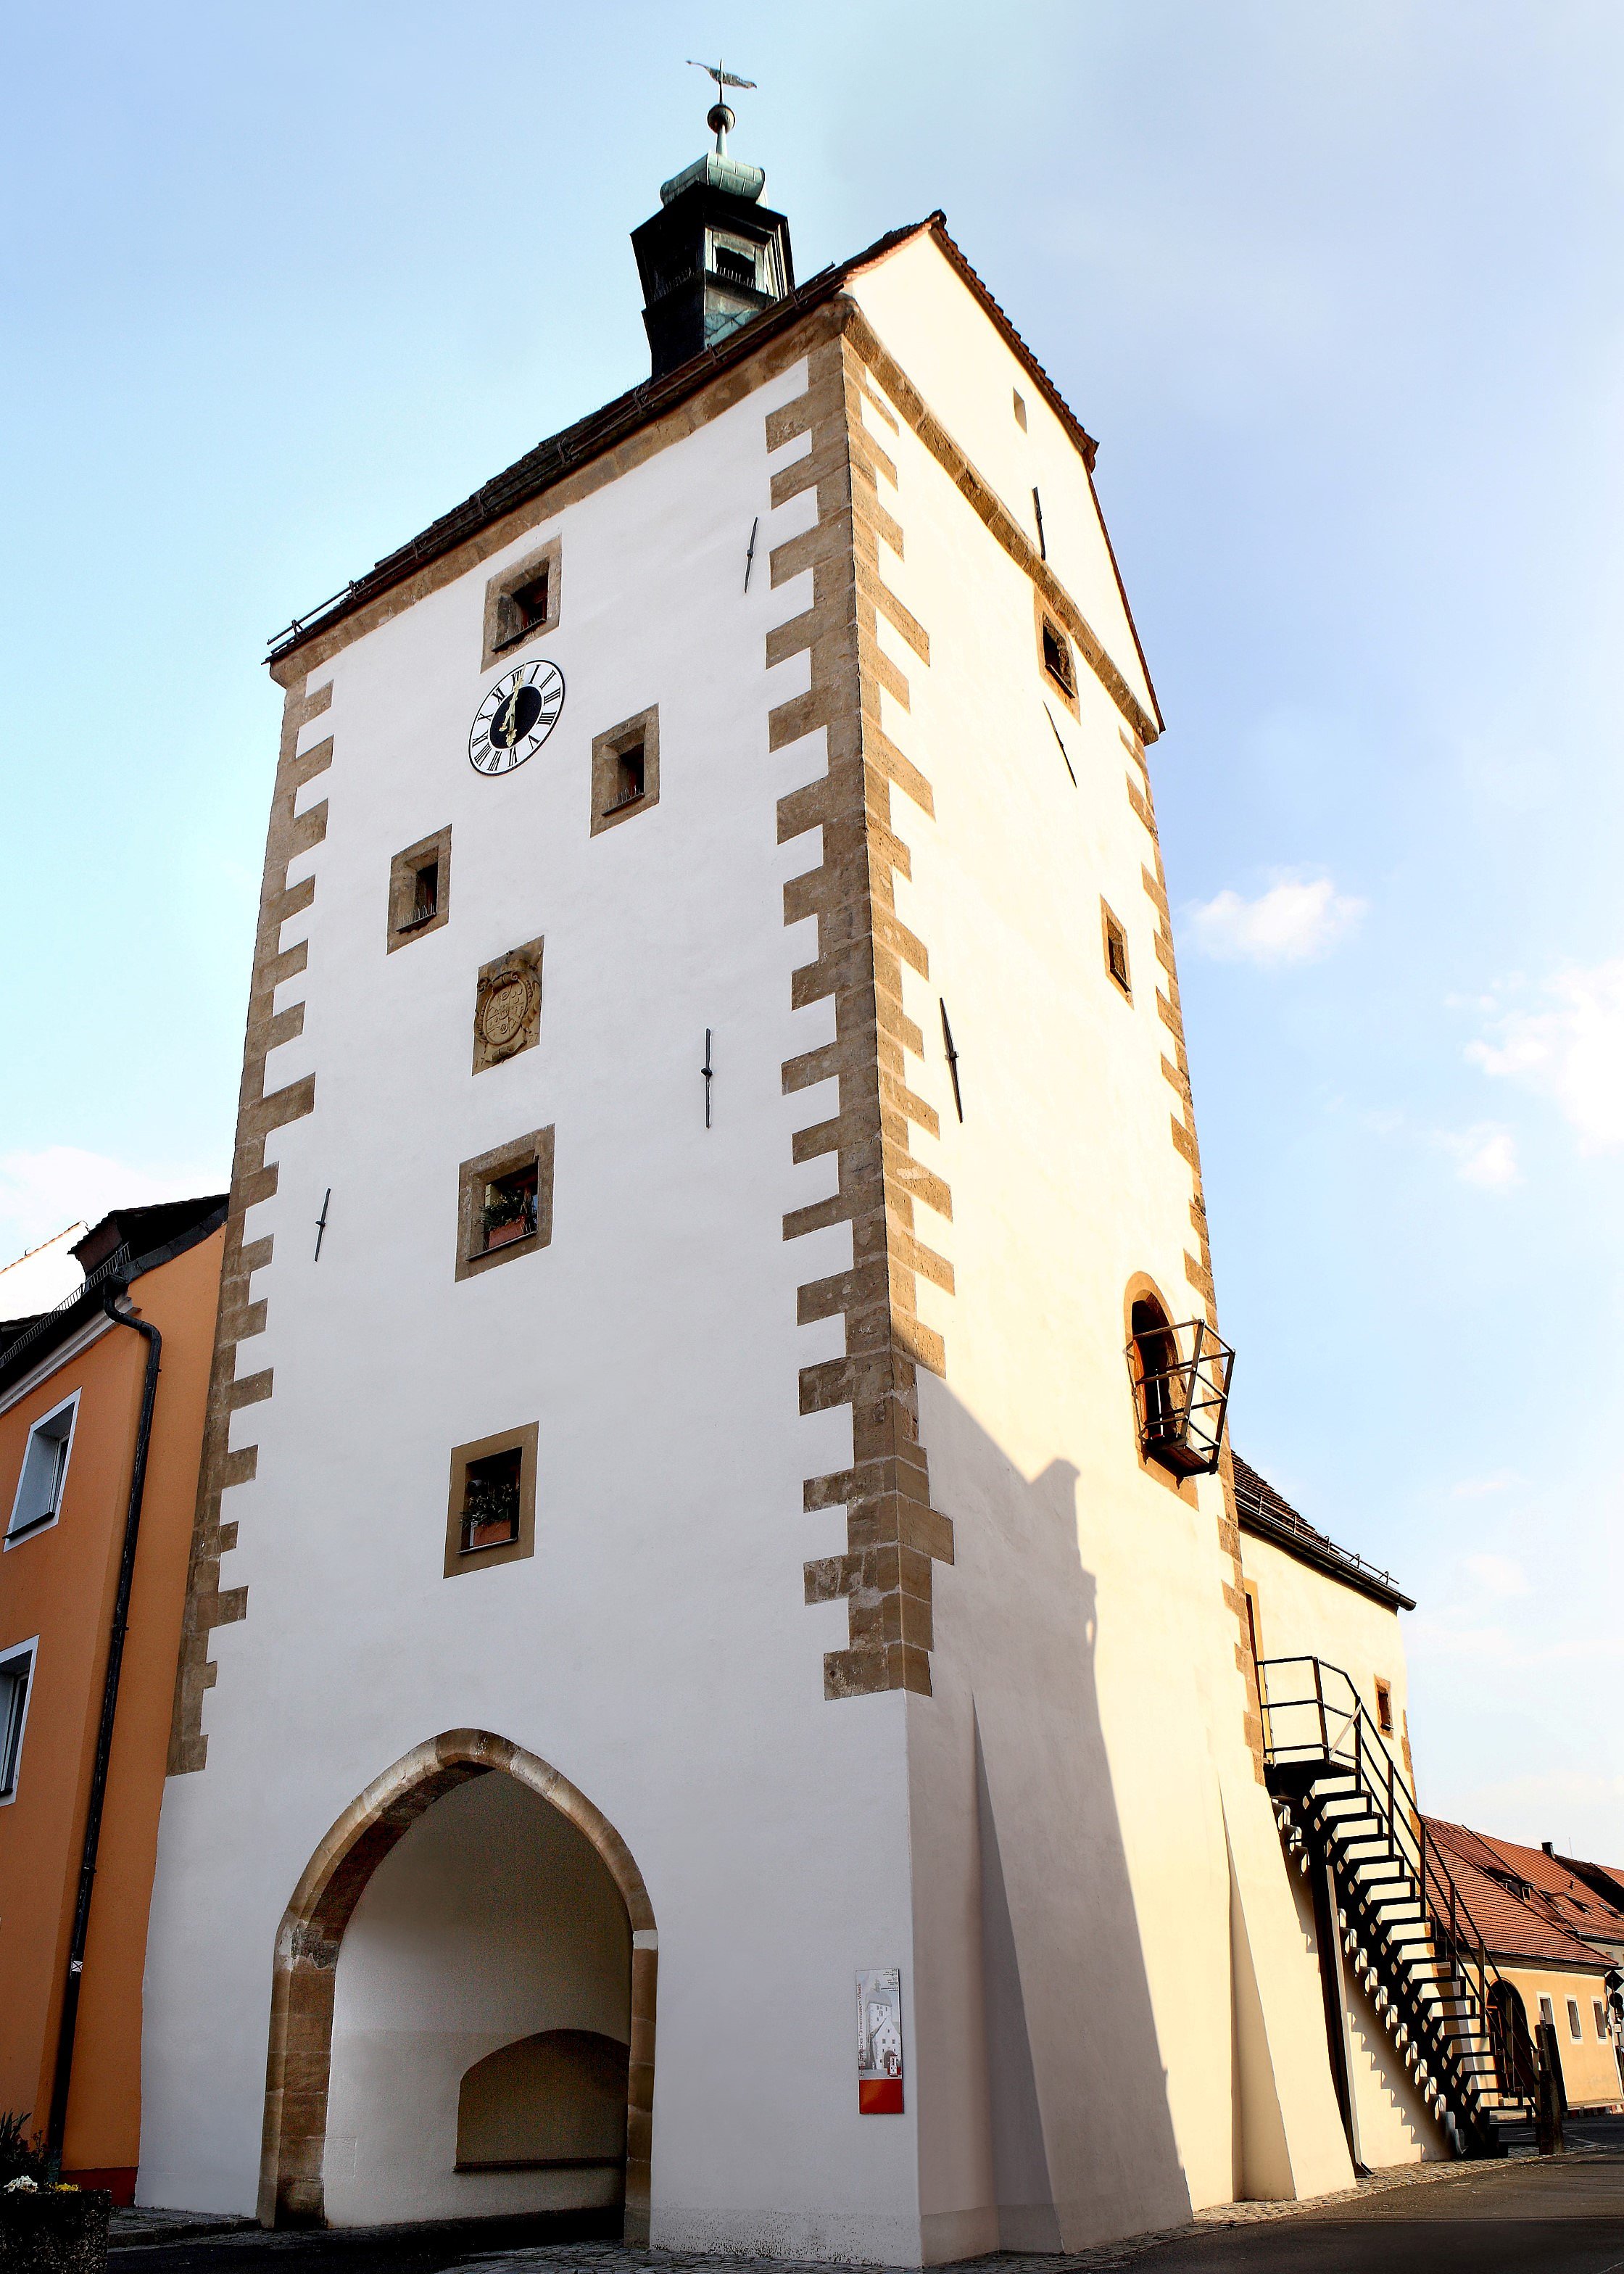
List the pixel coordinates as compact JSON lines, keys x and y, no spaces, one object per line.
{"x":713,"y":256}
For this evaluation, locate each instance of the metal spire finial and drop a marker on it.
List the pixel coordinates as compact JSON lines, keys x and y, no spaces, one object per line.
{"x":719,"y":118}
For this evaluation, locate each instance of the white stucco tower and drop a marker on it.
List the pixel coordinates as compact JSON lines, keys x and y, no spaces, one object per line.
{"x":685,"y":1533}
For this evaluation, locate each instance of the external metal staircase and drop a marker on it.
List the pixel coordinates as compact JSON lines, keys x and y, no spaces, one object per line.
{"x":1387,"y":1897}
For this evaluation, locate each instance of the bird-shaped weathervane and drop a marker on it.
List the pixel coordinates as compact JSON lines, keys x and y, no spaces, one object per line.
{"x":719,"y":118}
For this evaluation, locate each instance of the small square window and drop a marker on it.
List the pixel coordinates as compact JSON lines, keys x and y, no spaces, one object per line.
{"x":522,"y":600}
{"x":1115,"y":951}
{"x":1384,"y":1708}
{"x":15,"y":1671}
{"x":491,"y":1512}
{"x":1574,"y":2030}
{"x":625,"y":769}
{"x":504,"y":1204}
{"x":419,"y":889}
{"x":490,"y":1501}
{"x":38,"y":1499}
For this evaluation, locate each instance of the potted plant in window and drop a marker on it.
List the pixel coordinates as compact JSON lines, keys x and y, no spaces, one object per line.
{"x":509,"y":1213}
{"x":45,"y":2227}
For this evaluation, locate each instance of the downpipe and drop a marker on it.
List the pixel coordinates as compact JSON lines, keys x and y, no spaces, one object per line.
{"x":113,"y":1293}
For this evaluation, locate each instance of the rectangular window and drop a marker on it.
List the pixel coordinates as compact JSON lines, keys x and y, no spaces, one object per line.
{"x":625,"y":769}
{"x":509,"y":1210}
{"x":44,"y":1472}
{"x":1037,"y":509}
{"x":1115,"y":951}
{"x":1021,"y":410}
{"x":490,"y":1501}
{"x":1384,"y":1708}
{"x":1057,"y":656}
{"x":529,"y":603}
{"x":419,"y":889}
{"x":1547,"y":2011}
{"x":630,"y":770}
{"x":491,"y":1512}
{"x":1574,"y":2030}
{"x":735,"y":267}
{"x":504,"y":1204}
{"x":1601,"y":2021}
{"x":522,"y":600}
{"x":15,"y":1670}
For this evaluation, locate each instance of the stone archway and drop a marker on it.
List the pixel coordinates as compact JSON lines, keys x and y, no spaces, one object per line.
{"x":300,"y":2058}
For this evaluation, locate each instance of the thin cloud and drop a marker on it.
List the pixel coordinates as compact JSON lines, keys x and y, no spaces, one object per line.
{"x":1485,"y":1156}
{"x":1296,"y":921}
{"x":1571,"y":1051}
{"x":1498,"y":1575}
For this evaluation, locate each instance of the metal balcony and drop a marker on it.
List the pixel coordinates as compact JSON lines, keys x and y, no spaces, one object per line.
{"x":1181,"y":1389}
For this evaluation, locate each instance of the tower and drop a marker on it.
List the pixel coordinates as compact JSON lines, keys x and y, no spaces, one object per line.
{"x":691,"y":1541}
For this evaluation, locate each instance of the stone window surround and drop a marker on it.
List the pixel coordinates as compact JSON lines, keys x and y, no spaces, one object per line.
{"x":643,"y":727}
{"x":473,"y":1176}
{"x":501,"y":634}
{"x":1045,"y":618}
{"x":459,"y":1559}
{"x":402,"y":885}
{"x":1110,"y":923}
{"x":526,"y":960}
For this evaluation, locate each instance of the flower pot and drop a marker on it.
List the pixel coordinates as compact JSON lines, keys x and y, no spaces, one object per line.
{"x":500,"y":1234}
{"x":56,"y":2231}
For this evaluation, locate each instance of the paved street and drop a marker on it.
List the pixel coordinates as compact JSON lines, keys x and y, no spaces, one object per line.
{"x":1528,"y":2216}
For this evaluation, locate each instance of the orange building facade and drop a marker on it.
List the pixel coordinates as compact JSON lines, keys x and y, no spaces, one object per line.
{"x":100,"y":1431}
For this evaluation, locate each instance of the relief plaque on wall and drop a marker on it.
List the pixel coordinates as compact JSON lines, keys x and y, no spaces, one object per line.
{"x":507,"y":1006}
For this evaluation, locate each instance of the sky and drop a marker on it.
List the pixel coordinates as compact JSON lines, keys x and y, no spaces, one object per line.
{"x":1338,"y":290}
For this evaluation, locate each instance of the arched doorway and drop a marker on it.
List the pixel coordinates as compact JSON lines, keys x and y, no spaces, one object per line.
{"x":564,"y":2020}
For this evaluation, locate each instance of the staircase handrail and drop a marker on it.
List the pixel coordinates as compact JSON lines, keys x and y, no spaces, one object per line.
{"x":1407,"y":1827}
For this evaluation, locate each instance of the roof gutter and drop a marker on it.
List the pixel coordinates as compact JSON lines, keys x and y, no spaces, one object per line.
{"x":114,"y":1291}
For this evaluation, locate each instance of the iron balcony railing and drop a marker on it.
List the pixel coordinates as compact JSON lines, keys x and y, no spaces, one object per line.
{"x":1181,"y":1389}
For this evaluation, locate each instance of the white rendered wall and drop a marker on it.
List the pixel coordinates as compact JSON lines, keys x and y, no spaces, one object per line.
{"x":493,"y":1919}
{"x":1083,"y":1653}
{"x":657,"y":1649}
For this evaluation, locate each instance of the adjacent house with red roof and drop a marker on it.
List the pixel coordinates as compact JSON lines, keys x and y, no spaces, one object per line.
{"x":1556,"y":1941}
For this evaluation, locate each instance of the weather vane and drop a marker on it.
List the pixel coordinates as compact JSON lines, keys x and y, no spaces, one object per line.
{"x":719,"y":118}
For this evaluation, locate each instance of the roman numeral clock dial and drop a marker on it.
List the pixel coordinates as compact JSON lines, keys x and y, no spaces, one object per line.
{"x":516,"y":717}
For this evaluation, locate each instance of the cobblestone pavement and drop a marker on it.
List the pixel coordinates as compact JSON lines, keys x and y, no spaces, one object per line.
{"x":1560,"y":2215}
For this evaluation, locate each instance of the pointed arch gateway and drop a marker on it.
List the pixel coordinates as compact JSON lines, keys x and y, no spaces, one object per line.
{"x":299,"y":2056}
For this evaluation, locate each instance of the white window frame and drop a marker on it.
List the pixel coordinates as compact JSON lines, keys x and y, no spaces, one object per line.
{"x":1548,"y":2009}
{"x":29,"y":1651}
{"x":1576,"y":2027}
{"x":69,"y":1405}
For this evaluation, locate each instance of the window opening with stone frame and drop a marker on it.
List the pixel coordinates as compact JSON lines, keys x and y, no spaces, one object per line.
{"x":1158,"y":1355}
{"x":1601,"y":2021}
{"x":625,"y":769}
{"x":522,"y":600}
{"x":419,"y":889}
{"x":1057,"y":656}
{"x":38,"y":1499}
{"x":1574,"y":2030}
{"x":490,"y":1501}
{"x":16,"y":1672}
{"x":1547,"y":2011}
{"x":1116,"y":951}
{"x":1384,"y":1708}
{"x":509,"y":1208}
{"x":529,"y":604}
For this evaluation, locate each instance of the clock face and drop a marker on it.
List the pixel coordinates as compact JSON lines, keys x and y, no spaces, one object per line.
{"x":516,"y":717}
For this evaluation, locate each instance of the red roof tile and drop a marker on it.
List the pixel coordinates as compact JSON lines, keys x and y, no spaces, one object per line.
{"x":1514,"y":1923}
